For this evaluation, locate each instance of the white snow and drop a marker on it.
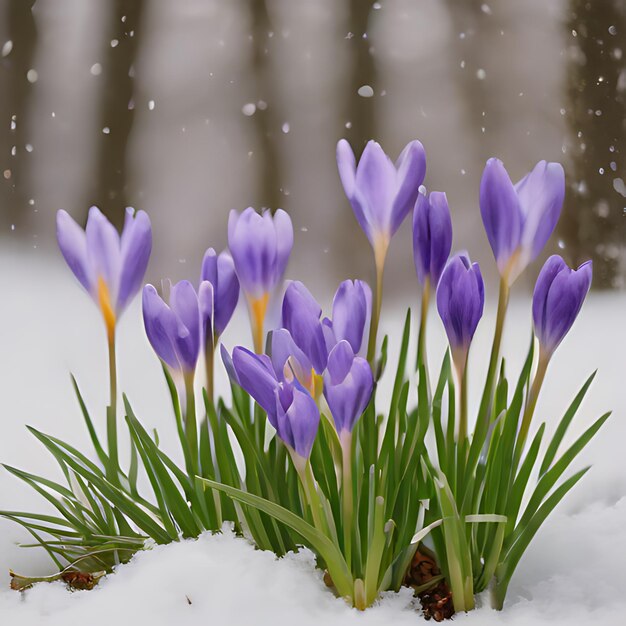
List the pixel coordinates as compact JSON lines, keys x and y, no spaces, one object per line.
{"x":572,"y":574}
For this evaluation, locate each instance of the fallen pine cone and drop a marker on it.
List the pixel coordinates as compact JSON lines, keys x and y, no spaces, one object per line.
{"x":436,"y":599}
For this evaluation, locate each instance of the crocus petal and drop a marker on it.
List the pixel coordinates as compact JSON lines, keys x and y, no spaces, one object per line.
{"x":501,"y":213}
{"x":205,"y":303}
{"x":256,"y":376}
{"x":301,"y":317}
{"x":376,"y":180}
{"x":161,"y":326}
{"x":346,"y":163}
{"x":288,"y":359}
{"x":411,"y":169}
{"x":228,"y":364}
{"x":103,"y":250}
{"x":432,"y":236}
{"x":304,"y":418}
{"x":550,"y":269}
{"x":350,"y":312}
{"x":284,"y":241}
{"x":541,"y":194}
{"x":184,"y":304}
{"x":136,"y":246}
{"x":73,"y":246}
{"x":220,"y":272}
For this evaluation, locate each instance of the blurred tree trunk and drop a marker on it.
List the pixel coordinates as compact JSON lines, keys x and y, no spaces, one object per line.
{"x":360,"y":112}
{"x":117,"y":108}
{"x":479,"y":30}
{"x":266,"y":94}
{"x":15,"y":94}
{"x":594,"y":225}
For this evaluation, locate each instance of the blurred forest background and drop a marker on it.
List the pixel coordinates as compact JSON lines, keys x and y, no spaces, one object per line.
{"x":191,"y":108}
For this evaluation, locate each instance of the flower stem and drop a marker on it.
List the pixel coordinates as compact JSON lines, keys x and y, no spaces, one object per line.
{"x":113,"y":464}
{"x":310,"y":490}
{"x":533,"y":396}
{"x":461,"y":369}
{"x":346,"y":494}
{"x":191,"y":429}
{"x":380,"y":256}
{"x":503,"y":301}
{"x":422,"y":357}
{"x":209,"y":356}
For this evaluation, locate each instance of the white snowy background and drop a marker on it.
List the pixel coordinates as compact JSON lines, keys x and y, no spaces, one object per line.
{"x":573,"y":573}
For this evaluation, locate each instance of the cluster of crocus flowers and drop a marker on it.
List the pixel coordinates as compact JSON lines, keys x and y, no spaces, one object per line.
{"x":312,"y":368}
{"x":111,"y":267}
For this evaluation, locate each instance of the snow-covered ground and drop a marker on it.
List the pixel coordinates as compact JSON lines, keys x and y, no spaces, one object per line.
{"x":573,"y":573}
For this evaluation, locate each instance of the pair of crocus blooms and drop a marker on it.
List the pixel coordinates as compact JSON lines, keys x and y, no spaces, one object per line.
{"x":308,"y":348}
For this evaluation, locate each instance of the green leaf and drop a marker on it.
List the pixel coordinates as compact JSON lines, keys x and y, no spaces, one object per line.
{"x":333,"y":558}
{"x":564,"y":425}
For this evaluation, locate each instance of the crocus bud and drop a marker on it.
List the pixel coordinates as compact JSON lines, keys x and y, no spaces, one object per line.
{"x":301,"y":317}
{"x":352,"y":308}
{"x":348,"y":385}
{"x":559,"y":294}
{"x":290,"y":408}
{"x":219,"y":270}
{"x":432,"y":236}
{"x":381,"y":193}
{"x":519,"y":219}
{"x":109,"y":266}
{"x":174,"y":331}
{"x":460,"y":302}
{"x":260,"y":245}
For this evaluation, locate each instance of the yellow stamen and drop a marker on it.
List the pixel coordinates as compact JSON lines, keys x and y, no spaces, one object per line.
{"x":317,"y":385}
{"x":258,"y":309}
{"x":104,"y":299}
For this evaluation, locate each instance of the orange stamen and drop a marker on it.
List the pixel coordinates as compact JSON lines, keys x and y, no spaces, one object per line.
{"x":258,"y":309}
{"x":104,"y":299}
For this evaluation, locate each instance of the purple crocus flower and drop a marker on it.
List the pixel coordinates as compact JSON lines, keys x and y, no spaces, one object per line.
{"x":290,"y":408}
{"x":175,"y":331}
{"x":559,"y":294}
{"x":348,"y":385}
{"x":219,"y":271}
{"x":519,"y":219}
{"x":381,"y":193}
{"x":260,"y":245}
{"x":432,"y":236}
{"x":460,"y":302}
{"x":109,"y":266}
